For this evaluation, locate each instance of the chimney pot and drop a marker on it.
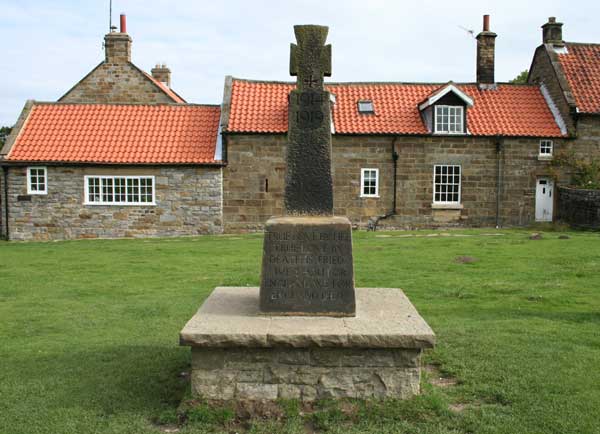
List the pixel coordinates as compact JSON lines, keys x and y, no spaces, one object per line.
{"x":486,"y":23}
{"x":123,"y":23}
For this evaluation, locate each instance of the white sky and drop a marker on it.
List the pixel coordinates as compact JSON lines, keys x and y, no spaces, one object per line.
{"x":48,"y":46}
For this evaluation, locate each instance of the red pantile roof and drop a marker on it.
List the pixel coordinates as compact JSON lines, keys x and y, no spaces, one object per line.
{"x":509,"y":110}
{"x":581,"y":65}
{"x":117,"y":133}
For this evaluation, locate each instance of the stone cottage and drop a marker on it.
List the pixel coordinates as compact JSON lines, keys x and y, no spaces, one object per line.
{"x":122,"y":154}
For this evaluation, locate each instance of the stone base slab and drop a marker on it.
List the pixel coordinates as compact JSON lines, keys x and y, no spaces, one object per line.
{"x":240,"y":353}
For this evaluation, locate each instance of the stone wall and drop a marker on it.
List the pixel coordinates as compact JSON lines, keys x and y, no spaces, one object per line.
{"x":257,"y":160}
{"x":304,"y":373}
{"x":543,"y":71}
{"x":579,"y":207}
{"x":188,"y":202}
{"x":119,"y":82}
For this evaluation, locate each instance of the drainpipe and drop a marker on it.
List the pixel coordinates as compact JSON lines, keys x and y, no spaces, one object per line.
{"x":5,"y":182}
{"x":393,"y":210}
{"x":499,"y":149}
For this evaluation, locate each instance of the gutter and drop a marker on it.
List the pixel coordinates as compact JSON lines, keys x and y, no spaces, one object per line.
{"x":393,"y":210}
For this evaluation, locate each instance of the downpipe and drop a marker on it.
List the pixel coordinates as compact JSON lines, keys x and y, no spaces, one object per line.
{"x":373,"y":223}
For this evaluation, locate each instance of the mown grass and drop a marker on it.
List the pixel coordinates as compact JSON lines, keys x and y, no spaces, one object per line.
{"x":89,"y":332}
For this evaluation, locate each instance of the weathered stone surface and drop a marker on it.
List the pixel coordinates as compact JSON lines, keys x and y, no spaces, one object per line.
{"x":308,"y":186}
{"x":307,"y":267}
{"x":188,"y":205}
{"x":240,"y":354}
{"x":256,"y":391}
{"x":317,"y":373}
{"x":230,"y":317}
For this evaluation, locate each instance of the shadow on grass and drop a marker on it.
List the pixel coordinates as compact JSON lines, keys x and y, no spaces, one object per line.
{"x":111,"y":380}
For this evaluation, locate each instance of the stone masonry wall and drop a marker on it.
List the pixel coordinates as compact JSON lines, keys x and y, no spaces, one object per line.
{"x":255,"y":159}
{"x":579,"y":207}
{"x":304,"y":373}
{"x":119,"y":82}
{"x":542,"y":71}
{"x":188,"y":202}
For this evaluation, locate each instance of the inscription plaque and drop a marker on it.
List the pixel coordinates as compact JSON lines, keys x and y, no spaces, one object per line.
{"x":308,"y":267}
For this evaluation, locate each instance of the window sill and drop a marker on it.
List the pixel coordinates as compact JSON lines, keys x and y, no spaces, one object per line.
{"x":447,"y":133}
{"x":369,"y":196}
{"x":119,"y":204}
{"x":446,"y":206}
{"x":545,"y":157}
{"x":37,"y":193}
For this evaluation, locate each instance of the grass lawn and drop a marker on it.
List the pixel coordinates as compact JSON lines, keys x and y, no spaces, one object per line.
{"x":89,"y":332}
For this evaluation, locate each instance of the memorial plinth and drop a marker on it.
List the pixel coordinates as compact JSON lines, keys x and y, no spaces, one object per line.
{"x":240,"y":353}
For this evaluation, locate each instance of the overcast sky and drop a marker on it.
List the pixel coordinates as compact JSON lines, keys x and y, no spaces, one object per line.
{"x":48,"y":46}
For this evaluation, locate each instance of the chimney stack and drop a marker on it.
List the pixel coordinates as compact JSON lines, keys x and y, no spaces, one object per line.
{"x":162,"y":74}
{"x":486,"y":45}
{"x":552,"y":32}
{"x":117,"y":46}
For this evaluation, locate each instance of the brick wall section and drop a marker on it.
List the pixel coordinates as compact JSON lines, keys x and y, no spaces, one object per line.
{"x":119,"y":82}
{"x":188,"y":202}
{"x":542,"y":71}
{"x":254,"y":158}
{"x":579,"y":207}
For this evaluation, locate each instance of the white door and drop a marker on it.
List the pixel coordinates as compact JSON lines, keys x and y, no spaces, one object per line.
{"x":544,"y":200}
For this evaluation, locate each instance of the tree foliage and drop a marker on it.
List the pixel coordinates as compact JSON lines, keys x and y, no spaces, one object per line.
{"x":4,"y":132}
{"x":521,"y":78}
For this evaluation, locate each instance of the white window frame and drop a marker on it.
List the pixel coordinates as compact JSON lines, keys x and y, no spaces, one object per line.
{"x":440,"y":202}
{"x":461,"y":117}
{"x":548,"y":145}
{"x":86,"y":186}
{"x":29,"y":179}
{"x":362,"y":182}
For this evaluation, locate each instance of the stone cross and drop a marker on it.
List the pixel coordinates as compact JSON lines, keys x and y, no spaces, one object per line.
{"x":308,"y":187}
{"x":310,"y":60}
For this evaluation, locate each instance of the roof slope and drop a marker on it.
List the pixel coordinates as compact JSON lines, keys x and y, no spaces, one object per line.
{"x":118,"y":134}
{"x":581,"y":66}
{"x":509,"y":110}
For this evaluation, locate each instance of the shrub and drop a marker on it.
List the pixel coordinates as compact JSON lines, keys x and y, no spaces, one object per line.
{"x":585,"y":172}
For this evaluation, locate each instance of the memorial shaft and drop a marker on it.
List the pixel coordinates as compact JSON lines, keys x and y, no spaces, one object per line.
{"x":308,"y":183}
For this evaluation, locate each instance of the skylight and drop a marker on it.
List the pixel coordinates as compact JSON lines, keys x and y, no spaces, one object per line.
{"x":366,"y":106}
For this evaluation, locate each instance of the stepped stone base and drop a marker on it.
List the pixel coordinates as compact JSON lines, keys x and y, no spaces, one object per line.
{"x":240,"y":354}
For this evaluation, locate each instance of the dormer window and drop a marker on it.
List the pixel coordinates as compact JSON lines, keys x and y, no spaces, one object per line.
{"x":449,"y":119}
{"x":366,"y":107}
{"x":444,"y":111}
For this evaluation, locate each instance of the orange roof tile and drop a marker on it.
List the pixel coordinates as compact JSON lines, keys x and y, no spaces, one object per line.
{"x":117,"y":133}
{"x":509,"y":110}
{"x":581,"y":65}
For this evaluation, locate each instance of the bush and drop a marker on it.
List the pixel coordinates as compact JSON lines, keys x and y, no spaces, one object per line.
{"x":585,"y":172}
